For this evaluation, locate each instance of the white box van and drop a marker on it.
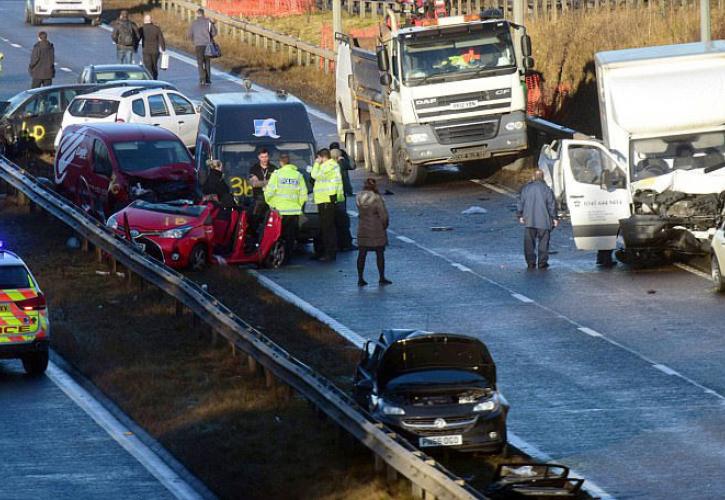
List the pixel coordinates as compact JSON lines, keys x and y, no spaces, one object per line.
{"x":37,"y":10}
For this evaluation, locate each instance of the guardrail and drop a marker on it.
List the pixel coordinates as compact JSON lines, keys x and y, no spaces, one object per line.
{"x":298,"y":51}
{"x":425,"y":474}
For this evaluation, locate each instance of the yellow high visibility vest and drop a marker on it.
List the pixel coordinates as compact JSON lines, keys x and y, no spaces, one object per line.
{"x":286,"y":190}
{"x":328,"y":181}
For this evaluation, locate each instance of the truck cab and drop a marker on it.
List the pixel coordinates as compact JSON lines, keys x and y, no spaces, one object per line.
{"x":656,"y":181}
{"x":443,"y":90}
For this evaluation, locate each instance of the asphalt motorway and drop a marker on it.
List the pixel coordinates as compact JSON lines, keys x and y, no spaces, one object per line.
{"x":617,"y":373}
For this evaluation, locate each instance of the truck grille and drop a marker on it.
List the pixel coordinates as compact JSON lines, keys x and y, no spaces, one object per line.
{"x":462,"y":132}
{"x":463,"y":103}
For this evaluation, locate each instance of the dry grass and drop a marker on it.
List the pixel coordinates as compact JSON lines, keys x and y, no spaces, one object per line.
{"x":309,"y":27}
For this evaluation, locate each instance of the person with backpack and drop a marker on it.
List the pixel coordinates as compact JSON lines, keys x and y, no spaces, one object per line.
{"x":201,"y":33}
{"x":126,"y":36}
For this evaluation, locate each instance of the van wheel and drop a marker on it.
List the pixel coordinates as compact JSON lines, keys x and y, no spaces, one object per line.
{"x":717,"y":278}
{"x":96,"y":21}
{"x":276,"y":256}
{"x":35,"y":363}
{"x":406,"y":172}
{"x":198,"y":258}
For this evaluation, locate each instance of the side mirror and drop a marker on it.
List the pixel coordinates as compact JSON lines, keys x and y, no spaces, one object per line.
{"x":526,"y":45}
{"x":381,"y":53}
{"x":528,"y":63}
{"x":386,"y":79}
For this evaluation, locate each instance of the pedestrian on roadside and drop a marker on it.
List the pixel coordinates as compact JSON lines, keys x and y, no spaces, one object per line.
{"x":327,"y":192}
{"x":342,"y":218}
{"x":286,"y":192}
{"x":372,"y":233}
{"x":42,"y":62}
{"x":201,"y":32}
{"x":153,"y":42}
{"x":536,"y":210}
{"x":126,"y":36}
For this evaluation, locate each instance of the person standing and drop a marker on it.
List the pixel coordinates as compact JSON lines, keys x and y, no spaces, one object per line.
{"x":153,"y":41}
{"x":372,"y":233}
{"x":327,"y":192}
{"x":126,"y":37}
{"x":42,"y":62}
{"x":536,"y":209}
{"x":286,"y":192}
{"x":342,"y":218}
{"x":201,"y":32}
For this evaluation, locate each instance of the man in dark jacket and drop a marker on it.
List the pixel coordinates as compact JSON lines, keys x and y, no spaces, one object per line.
{"x":342,"y":219}
{"x":153,"y":40}
{"x":201,"y":32}
{"x":42,"y":62}
{"x":126,"y":37}
{"x":536,"y":210}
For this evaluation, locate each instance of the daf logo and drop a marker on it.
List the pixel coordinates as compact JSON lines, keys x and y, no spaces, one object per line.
{"x":501,"y":91}
{"x":440,"y":423}
{"x":423,"y":102}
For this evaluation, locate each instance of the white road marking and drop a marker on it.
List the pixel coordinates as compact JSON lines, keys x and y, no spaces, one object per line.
{"x":497,"y":189}
{"x":589,"y":331}
{"x":405,"y":239}
{"x":4,"y":39}
{"x":666,"y":370}
{"x":132,"y":444}
{"x":693,"y":270}
{"x":522,"y":298}
{"x":17,"y":46}
{"x":461,"y":267}
{"x":67,"y":70}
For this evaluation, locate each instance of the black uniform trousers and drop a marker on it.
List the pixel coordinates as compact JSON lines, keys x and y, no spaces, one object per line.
{"x":151,"y":63}
{"x":328,"y":230}
{"x":534,"y":238}
{"x":290,"y":228}
{"x":342,"y":226}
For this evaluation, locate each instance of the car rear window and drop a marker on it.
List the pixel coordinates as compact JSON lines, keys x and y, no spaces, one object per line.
{"x":93,"y":108}
{"x":137,"y":156}
{"x":14,"y":277}
{"x":107,"y":76}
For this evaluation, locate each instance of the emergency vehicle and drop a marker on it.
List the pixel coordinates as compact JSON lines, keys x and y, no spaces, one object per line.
{"x":24,"y":325}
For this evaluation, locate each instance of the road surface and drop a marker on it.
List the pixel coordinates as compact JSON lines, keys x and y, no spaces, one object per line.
{"x":616,"y":373}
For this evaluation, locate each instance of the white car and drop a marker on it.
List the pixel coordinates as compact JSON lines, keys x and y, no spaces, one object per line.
{"x":37,"y":10}
{"x":162,"y":107}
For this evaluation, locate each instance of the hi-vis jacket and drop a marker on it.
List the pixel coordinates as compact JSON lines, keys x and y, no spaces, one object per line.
{"x":328,"y":181}
{"x":286,"y":190}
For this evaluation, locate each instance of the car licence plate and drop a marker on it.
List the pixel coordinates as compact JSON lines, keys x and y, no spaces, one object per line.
{"x":477,"y":153}
{"x":451,"y":440}
{"x":464,"y":105}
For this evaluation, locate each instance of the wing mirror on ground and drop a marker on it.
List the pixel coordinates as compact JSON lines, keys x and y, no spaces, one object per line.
{"x":381,"y":54}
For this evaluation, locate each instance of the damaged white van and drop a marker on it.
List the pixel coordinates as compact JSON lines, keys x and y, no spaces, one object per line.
{"x":657,"y":180}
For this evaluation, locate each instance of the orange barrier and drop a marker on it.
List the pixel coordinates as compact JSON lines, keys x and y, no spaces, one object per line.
{"x":255,"y":8}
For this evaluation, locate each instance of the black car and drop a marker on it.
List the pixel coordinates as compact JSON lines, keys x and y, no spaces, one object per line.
{"x":436,"y":389}
{"x":32,"y":118}
{"x":104,"y":73}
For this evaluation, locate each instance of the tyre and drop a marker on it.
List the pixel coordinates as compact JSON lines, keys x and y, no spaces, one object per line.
{"x":198,"y":258}
{"x":96,"y":21}
{"x":717,"y":278}
{"x":35,"y":363}
{"x":276,"y":256}
{"x":405,"y":172}
{"x":35,"y":20}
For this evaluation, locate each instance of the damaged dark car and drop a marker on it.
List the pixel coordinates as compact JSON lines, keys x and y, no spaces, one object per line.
{"x":435,"y":389}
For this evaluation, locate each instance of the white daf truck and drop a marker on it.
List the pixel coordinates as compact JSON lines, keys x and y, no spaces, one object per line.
{"x":441,"y":91}
{"x":655,"y":184}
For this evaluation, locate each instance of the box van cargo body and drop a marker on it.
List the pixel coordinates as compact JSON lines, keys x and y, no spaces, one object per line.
{"x":657,"y":180}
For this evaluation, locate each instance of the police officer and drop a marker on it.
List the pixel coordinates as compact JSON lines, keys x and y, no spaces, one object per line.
{"x":328,"y":191}
{"x":286,"y":192}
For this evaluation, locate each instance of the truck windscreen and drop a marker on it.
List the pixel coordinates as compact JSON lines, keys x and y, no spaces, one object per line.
{"x":462,"y":56}
{"x":662,"y":155}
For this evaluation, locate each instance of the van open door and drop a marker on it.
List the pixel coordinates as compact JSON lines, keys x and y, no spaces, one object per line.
{"x":597,"y":193}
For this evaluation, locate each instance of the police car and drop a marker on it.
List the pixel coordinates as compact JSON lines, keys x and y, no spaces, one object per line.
{"x":24,"y":326}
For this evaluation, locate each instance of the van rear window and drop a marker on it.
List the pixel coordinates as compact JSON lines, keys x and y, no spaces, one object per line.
{"x":93,"y":108}
{"x":137,"y":156}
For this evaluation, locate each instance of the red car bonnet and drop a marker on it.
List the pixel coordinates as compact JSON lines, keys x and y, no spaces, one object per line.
{"x":146,"y":220}
{"x":171,"y":172}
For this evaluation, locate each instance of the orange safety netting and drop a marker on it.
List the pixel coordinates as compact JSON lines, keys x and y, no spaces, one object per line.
{"x":252,"y":8}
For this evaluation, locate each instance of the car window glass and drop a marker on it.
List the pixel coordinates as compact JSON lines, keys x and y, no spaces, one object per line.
{"x":157,"y":105}
{"x":101,"y":161}
{"x":30,"y":108}
{"x":138,"y":107}
{"x":14,"y":277}
{"x":49,"y":103}
{"x":181,"y":105}
{"x":68,"y":96}
{"x":89,"y":107}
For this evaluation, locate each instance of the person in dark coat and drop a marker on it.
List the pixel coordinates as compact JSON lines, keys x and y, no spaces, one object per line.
{"x":371,"y":230}
{"x":201,"y":32}
{"x":126,"y":37}
{"x":342,"y":218}
{"x":536,"y":210}
{"x":42,"y":62}
{"x":153,"y":41}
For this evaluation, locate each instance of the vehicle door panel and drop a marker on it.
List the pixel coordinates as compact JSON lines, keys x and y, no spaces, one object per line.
{"x":597,"y":193}
{"x":187,"y":119}
{"x":98,"y":176}
{"x":160,"y":113}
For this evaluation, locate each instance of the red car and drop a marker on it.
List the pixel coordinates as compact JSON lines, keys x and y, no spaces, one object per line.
{"x":186,"y":235}
{"x":103,"y":167}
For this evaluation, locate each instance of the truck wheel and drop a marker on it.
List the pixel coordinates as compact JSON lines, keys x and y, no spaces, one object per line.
{"x":35,"y":363}
{"x":405,"y":171}
{"x":198,"y":258}
{"x":717,"y":278}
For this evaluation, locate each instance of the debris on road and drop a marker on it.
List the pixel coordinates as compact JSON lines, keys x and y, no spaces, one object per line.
{"x":474,"y":210}
{"x":441,"y":228}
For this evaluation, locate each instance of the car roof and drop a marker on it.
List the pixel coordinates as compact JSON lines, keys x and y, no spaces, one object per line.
{"x":49,"y":88}
{"x":121,"y":92}
{"x":137,"y":84}
{"x":8,"y":258}
{"x":112,"y":67}
{"x":390,"y":336}
{"x":116,"y":132}
{"x":251,"y":98}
